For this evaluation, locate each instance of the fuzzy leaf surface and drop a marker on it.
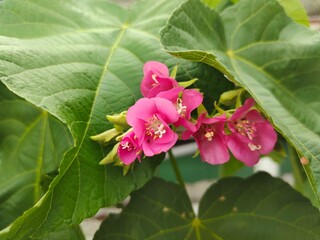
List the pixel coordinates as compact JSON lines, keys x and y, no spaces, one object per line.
{"x":32,"y":143}
{"x":274,"y":58}
{"x":79,"y":60}
{"x":231,"y":209}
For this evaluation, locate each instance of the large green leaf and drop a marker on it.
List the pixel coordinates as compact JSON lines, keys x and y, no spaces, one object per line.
{"x":293,"y":8}
{"x":66,"y":233}
{"x":32,"y":144}
{"x":80,"y":60}
{"x":232,"y":208}
{"x":257,"y":46}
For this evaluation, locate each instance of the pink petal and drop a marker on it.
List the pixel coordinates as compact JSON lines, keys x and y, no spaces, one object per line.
{"x":153,"y":147}
{"x":166,"y":110}
{"x":266,"y":137}
{"x":213,"y":152}
{"x":164,"y":84}
{"x":172,"y":94}
{"x":241,"y":150}
{"x":146,"y":84}
{"x":243,"y":110}
{"x":126,"y":156}
{"x":156,"y":67}
{"x":255,"y":116}
{"x":191,"y":99}
{"x":144,"y":108}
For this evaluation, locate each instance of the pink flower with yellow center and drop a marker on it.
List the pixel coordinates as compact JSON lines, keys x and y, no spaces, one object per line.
{"x":251,"y":134}
{"x":185,"y":101}
{"x":129,"y":149}
{"x":150,"y":119}
{"x":156,"y":79}
{"x":211,"y":140}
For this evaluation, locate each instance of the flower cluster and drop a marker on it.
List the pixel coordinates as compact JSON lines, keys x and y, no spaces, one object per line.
{"x":165,"y":104}
{"x":163,"y":116}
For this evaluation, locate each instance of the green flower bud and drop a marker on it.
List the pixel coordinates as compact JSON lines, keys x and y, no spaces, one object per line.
{"x":119,"y":120}
{"x":229,"y":97}
{"x":112,"y":156}
{"x":125,"y":169}
{"x":106,"y":137}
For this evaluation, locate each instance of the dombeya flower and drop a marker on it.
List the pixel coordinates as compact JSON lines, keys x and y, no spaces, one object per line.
{"x":129,"y":149}
{"x":211,"y":139}
{"x":185,"y":101}
{"x":156,"y":79}
{"x":150,"y":119}
{"x":251,"y":134}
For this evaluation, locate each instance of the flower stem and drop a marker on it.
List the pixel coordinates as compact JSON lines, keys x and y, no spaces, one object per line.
{"x":176,"y":169}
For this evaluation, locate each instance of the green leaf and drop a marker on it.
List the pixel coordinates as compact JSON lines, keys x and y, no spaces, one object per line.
{"x":295,"y":10}
{"x":66,"y":233}
{"x":258,"y":47}
{"x":218,"y":5}
{"x":232,"y":209}
{"x":80,"y":60}
{"x":32,"y":144}
{"x":211,"y":82}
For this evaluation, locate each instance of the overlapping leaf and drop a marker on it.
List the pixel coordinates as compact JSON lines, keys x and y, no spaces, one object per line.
{"x":233,"y":208}
{"x":32,"y":144}
{"x":80,"y":60}
{"x":257,"y":46}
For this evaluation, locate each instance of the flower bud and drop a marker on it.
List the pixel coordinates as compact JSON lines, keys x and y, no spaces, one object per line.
{"x":112,"y":156}
{"x":228,"y":98}
{"x":119,"y":120}
{"x":106,"y":137}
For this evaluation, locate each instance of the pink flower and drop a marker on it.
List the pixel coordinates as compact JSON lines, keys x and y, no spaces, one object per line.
{"x":156,"y":79}
{"x":129,"y":148}
{"x":211,"y":139}
{"x":150,"y":119}
{"x":185,"y":101}
{"x":251,"y":134}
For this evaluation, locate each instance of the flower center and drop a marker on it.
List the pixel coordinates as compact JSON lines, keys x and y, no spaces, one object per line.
{"x":155,"y":128}
{"x":154,"y":78}
{"x":180,"y":108}
{"x":246,"y":128}
{"x":207,"y":132}
{"x":127,"y":145}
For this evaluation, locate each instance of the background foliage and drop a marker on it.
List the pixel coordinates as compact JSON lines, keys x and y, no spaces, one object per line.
{"x":73,"y":62}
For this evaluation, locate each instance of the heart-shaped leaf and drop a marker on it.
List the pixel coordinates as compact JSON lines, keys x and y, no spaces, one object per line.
{"x":80,"y":60}
{"x":32,"y":144}
{"x":258,"y":47}
{"x":232,"y":208}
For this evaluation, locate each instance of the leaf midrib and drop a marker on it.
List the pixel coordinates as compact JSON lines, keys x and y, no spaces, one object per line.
{"x":79,"y":147}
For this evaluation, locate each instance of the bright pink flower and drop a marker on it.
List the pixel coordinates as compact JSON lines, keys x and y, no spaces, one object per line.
{"x":185,"y":101}
{"x":251,"y":134}
{"x":150,"y":119}
{"x":129,"y":148}
{"x":156,"y":79}
{"x":211,"y":139}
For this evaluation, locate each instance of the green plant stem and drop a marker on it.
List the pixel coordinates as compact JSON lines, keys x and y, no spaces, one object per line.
{"x":176,"y":169}
{"x":296,"y":169}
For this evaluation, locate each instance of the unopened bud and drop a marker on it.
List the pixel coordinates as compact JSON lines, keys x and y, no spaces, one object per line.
{"x":119,"y":138}
{"x":125,"y":169}
{"x":229,"y":97}
{"x":106,"y":137}
{"x":119,"y":120}
{"x":112,"y":156}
